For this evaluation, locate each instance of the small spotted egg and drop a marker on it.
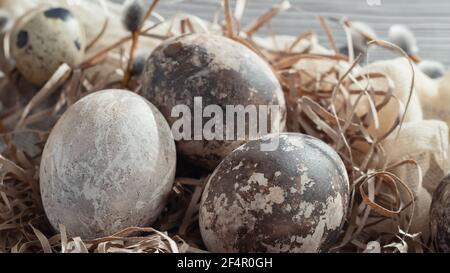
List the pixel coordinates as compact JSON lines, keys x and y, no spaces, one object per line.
{"x":222,"y":73}
{"x":49,"y":39}
{"x":440,"y":216}
{"x":108,"y":164}
{"x":290,"y":199}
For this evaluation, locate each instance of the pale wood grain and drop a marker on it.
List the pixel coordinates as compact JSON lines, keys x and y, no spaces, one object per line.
{"x":430,"y":20}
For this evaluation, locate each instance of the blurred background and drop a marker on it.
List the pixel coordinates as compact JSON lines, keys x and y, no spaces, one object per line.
{"x":429,"y":20}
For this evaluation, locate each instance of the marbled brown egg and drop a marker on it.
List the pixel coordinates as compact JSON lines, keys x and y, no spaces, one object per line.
{"x":221,"y":72}
{"x":440,"y":216}
{"x":49,"y":39}
{"x":291,"y":199}
{"x":109,"y":163}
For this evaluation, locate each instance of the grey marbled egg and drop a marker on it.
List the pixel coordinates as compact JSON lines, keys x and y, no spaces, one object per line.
{"x":220,"y":71}
{"x":109,"y":163}
{"x":292,"y":199}
{"x":49,"y":39}
{"x":440,"y":216}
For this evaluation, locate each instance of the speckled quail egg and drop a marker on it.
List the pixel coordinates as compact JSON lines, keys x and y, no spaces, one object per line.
{"x":109,"y":163}
{"x":221,"y":72}
{"x":440,"y":216}
{"x":49,"y":39}
{"x":291,"y":199}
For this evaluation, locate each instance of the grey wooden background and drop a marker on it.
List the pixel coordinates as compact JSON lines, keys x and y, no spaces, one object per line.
{"x":430,"y":20}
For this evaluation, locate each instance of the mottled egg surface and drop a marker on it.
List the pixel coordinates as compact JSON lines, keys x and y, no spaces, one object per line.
{"x":109,"y":163}
{"x":220,"y":71}
{"x":49,"y":39}
{"x":440,"y":216}
{"x":292,"y":199}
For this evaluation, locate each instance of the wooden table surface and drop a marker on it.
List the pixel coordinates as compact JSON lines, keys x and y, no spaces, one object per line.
{"x":430,"y":20}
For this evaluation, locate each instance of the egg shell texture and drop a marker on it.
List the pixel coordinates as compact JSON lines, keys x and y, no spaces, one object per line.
{"x":49,"y":39}
{"x":440,"y":216}
{"x":219,"y":70}
{"x":293,"y":199}
{"x":109,"y":163}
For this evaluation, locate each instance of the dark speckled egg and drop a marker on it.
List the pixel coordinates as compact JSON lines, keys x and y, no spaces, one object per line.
{"x":291,"y":199}
{"x":440,"y":216}
{"x":49,"y":39}
{"x":221,"y":72}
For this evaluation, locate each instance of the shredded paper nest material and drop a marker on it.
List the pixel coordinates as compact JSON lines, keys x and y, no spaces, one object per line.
{"x":383,"y":118}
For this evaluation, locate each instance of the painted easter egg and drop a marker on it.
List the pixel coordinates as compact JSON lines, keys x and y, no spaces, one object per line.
{"x":109,"y":163}
{"x":290,"y":199}
{"x":46,"y":41}
{"x":203,"y":70}
{"x":440,"y":216}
